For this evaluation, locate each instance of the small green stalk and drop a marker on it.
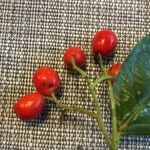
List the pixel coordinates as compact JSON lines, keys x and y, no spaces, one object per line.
{"x":114,"y":119}
{"x":115,"y":134}
{"x":99,"y":80}
{"x":73,"y":108}
{"x":76,"y":68}
{"x":93,"y":93}
{"x":100,"y":118}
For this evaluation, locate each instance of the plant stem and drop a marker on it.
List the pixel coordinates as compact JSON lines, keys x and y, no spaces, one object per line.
{"x":100,"y":118}
{"x":98,"y":109}
{"x":73,"y":108}
{"x":99,"y":80}
{"x":114,"y":118}
{"x":76,"y":68}
{"x":115,"y":136}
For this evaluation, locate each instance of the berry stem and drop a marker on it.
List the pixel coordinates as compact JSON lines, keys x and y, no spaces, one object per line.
{"x":100,"y":121}
{"x":115,"y":134}
{"x":76,"y":68}
{"x":91,"y":85}
{"x":73,"y":108}
{"x":99,"y":80}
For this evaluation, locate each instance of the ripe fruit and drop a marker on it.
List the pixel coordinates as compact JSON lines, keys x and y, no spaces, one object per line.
{"x":46,"y":80}
{"x":29,"y":106}
{"x":104,"y":42}
{"x":114,"y":69}
{"x":77,"y":54}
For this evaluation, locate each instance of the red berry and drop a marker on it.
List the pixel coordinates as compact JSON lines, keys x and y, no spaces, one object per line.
{"x":46,"y":80}
{"x":104,"y":42}
{"x":29,"y":106}
{"x":114,"y":69}
{"x":77,"y":54}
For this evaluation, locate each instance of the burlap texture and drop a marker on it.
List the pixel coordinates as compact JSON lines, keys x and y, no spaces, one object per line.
{"x":35,"y":33}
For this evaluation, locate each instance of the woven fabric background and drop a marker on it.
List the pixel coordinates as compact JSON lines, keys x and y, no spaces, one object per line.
{"x":36,"y":33}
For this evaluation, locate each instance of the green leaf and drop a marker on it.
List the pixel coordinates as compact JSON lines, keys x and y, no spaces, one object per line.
{"x":132,"y":90}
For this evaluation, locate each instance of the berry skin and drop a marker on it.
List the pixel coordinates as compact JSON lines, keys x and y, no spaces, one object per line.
{"x":104,"y":42}
{"x":46,"y":81}
{"x":76,"y":53}
{"x":114,"y":69}
{"x":29,"y":107}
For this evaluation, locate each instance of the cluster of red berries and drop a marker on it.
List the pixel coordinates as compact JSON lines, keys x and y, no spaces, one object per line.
{"x":47,"y":81}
